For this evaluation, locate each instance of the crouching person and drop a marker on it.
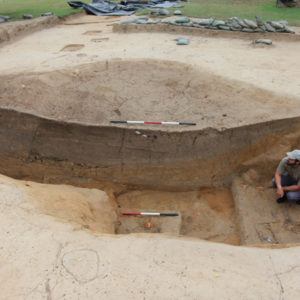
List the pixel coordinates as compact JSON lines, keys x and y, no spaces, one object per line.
{"x":287,"y":178}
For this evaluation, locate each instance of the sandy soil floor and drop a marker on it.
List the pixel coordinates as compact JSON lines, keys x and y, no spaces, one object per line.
{"x":207,"y":214}
{"x":216,"y":82}
{"x":89,"y":39}
{"x":43,"y":257}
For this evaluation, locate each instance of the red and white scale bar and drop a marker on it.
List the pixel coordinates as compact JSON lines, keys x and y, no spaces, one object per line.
{"x":149,"y":214}
{"x":151,"y":122}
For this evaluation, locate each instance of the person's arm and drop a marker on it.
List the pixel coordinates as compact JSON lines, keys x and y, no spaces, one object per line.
{"x":291,"y":188}
{"x":279,"y":190}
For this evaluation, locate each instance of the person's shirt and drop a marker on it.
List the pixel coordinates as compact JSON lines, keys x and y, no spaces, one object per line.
{"x":284,"y":168}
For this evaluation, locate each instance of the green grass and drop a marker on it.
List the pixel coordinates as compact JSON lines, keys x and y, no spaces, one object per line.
{"x":224,"y":9}
{"x":221,"y":9}
{"x":16,"y":8}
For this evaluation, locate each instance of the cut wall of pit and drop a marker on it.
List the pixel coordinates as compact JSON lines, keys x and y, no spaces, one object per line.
{"x":46,"y":145}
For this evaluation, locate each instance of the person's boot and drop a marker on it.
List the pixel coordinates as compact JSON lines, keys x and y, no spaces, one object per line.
{"x":298,"y":202}
{"x":282,"y":199}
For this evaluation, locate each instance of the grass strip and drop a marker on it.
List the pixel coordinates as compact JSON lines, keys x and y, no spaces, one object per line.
{"x":16,"y":8}
{"x":221,"y":9}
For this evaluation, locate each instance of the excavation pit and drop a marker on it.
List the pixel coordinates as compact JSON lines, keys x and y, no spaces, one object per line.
{"x":66,"y":137}
{"x":59,"y":222}
{"x":246,"y":216}
{"x":207,"y":214}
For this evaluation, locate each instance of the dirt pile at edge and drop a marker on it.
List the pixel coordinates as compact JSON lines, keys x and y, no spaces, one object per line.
{"x":142,"y":90}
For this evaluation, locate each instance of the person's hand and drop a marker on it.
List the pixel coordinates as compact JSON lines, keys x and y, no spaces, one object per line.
{"x":280,"y":191}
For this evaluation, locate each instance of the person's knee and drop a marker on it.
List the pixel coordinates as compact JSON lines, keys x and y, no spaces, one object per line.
{"x":294,"y":196}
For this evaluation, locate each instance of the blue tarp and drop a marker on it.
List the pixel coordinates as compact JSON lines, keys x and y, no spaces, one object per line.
{"x":125,"y":8}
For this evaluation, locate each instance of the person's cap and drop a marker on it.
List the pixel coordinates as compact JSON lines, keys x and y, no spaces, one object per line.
{"x":295,"y":154}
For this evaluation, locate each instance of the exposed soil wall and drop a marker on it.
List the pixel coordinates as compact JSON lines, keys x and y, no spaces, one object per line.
{"x":12,"y":30}
{"x":49,"y":150}
{"x":55,"y":125}
{"x":133,"y":28}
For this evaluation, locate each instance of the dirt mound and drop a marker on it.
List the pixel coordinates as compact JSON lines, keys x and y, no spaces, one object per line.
{"x":142,"y":90}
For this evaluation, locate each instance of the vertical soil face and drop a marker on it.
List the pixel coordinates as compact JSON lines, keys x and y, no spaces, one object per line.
{"x":66,"y":137}
{"x":59,"y":122}
{"x":53,"y":151}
